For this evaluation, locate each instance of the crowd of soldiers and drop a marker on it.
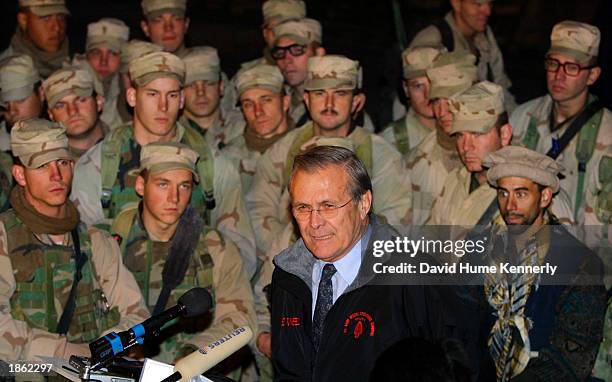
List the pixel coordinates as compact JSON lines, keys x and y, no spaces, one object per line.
{"x":138,"y":170}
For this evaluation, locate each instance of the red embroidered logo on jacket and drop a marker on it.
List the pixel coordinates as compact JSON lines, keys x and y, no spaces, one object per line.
{"x":290,"y":321}
{"x":358,"y":324}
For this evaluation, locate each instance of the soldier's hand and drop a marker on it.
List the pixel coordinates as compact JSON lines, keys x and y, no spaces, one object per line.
{"x":264,"y":344}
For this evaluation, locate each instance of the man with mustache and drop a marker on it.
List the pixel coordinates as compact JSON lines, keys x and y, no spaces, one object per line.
{"x":104,"y":180}
{"x":41,"y":34}
{"x":72,"y":101}
{"x":547,"y":326}
{"x":63,"y":284}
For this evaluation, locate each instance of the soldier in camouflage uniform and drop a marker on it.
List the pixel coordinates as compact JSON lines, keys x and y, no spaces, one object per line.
{"x":436,"y":156}
{"x":465,"y":29}
{"x":480,"y":126}
{"x":102,"y":58}
{"x":72,"y":101}
{"x":163,"y":228}
{"x":331,"y":95}
{"x":41,"y":34}
{"x":41,"y":241}
{"x":165,"y":23}
{"x":204,"y":92}
{"x":103,"y":181}
{"x":407,"y":132}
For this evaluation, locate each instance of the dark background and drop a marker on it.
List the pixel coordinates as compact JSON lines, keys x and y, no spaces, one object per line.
{"x":362,"y":30}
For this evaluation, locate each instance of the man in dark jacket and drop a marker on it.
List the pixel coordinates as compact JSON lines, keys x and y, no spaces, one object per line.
{"x":330,"y":320}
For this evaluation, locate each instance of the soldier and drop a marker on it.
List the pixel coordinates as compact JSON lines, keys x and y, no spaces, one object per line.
{"x":331,"y":95}
{"x":41,"y":34}
{"x":166,"y":24}
{"x":522,"y":341}
{"x":103,"y":180}
{"x":265,"y":108}
{"x":21,"y":94}
{"x":480,"y":126}
{"x":72,"y":101}
{"x":547,"y":124}
{"x":436,"y":156}
{"x":164,"y":235}
{"x":465,"y":29}
{"x":63,"y":284}
{"x":105,"y":39}
{"x":406,"y":133}
{"x":204,"y":90}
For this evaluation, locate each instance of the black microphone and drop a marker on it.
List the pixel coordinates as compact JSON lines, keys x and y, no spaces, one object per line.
{"x":194,"y":302}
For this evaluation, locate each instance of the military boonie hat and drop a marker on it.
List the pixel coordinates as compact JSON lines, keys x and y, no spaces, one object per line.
{"x":66,"y":81}
{"x":451,"y":74}
{"x":283,"y":10}
{"x":302,"y":31}
{"x":416,"y":61}
{"x":477,"y":109}
{"x":202,"y":63}
{"x":332,"y":72}
{"x":260,"y":76}
{"x":523,"y":163}
{"x":159,"y":157}
{"x":37,"y":142}
{"x":108,"y":32}
{"x":134,"y":49}
{"x":18,"y":75}
{"x":155,"y":8}
{"x":45,"y":7}
{"x":156,"y":65}
{"x":575,"y":39}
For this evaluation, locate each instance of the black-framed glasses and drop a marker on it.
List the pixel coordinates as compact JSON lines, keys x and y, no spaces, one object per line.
{"x":572,"y":69}
{"x":279,"y":52}
{"x":326,"y":211}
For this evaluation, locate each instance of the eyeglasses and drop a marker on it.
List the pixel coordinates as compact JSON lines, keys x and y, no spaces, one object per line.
{"x":327,"y":211}
{"x":296,"y":50}
{"x":570,"y":68}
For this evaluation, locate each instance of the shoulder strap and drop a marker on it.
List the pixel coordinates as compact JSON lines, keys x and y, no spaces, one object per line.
{"x":574,"y":128}
{"x":205,"y":165}
{"x":446,"y":32}
{"x":531,"y":138}
{"x":122,"y":224}
{"x":306,"y":133}
{"x":402,"y":142}
{"x":79,"y":260}
{"x":111,"y":159}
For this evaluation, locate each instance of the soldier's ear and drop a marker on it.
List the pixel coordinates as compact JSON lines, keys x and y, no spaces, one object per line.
{"x":182,"y":101}
{"x":22,"y":20}
{"x":320,"y":52}
{"x":365,"y":204}
{"x":546,"y":197}
{"x":99,"y":103}
{"x":358,"y":102}
{"x":505,"y":132}
{"x":18,"y":172}
{"x":221,"y":88}
{"x":187,"y":23}
{"x":145,"y":28}
{"x":307,"y":100}
{"x":130,"y":96}
{"x":286,"y":102}
{"x":594,"y":74}
{"x":139,"y":185}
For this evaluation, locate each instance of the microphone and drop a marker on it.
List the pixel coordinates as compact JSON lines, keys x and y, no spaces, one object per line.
{"x":194,"y":302}
{"x":204,"y":359}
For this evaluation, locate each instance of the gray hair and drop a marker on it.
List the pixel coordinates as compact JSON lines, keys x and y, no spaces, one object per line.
{"x":320,"y":157}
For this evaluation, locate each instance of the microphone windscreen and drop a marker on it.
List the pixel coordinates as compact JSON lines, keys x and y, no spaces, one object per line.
{"x":197,"y":301}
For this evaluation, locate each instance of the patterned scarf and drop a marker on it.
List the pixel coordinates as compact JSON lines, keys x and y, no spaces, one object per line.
{"x":39,"y":223}
{"x":256,"y":143}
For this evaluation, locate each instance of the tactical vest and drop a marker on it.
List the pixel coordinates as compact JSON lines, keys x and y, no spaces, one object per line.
{"x":360,"y":137}
{"x":146,"y":262}
{"x":44,"y":276}
{"x":118,"y":159}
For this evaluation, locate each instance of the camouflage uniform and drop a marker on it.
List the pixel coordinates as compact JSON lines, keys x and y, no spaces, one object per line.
{"x":107,"y":167}
{"x":215,"y":264}
{"x":490,"y":60}
{"x":36,"y":273}
{"x":45,"y":63}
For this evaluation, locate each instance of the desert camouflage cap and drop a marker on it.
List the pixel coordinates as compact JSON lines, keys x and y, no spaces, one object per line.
{"x":37,"y":142}
{"x":108,"y":32}
{"x":18,"y":75}
{"x":451,"y":74}
{"x":202,"y":63}
{"x":332,"y":72}
{"x":578,"y":40}
{"x":260,"y":76}
{"x":154,"y":8}
{"x":160,"y":157}
{"x":523,"y":163}
{"x":134,"y":49}
{"x":417,"y":60}
{"x":66,"y":81}
{"x":45,"y":7}
{"x":283,"y":10}
{"x":156,"y":65}
{"x":302,"y":31}
{"x":477,"y":109}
